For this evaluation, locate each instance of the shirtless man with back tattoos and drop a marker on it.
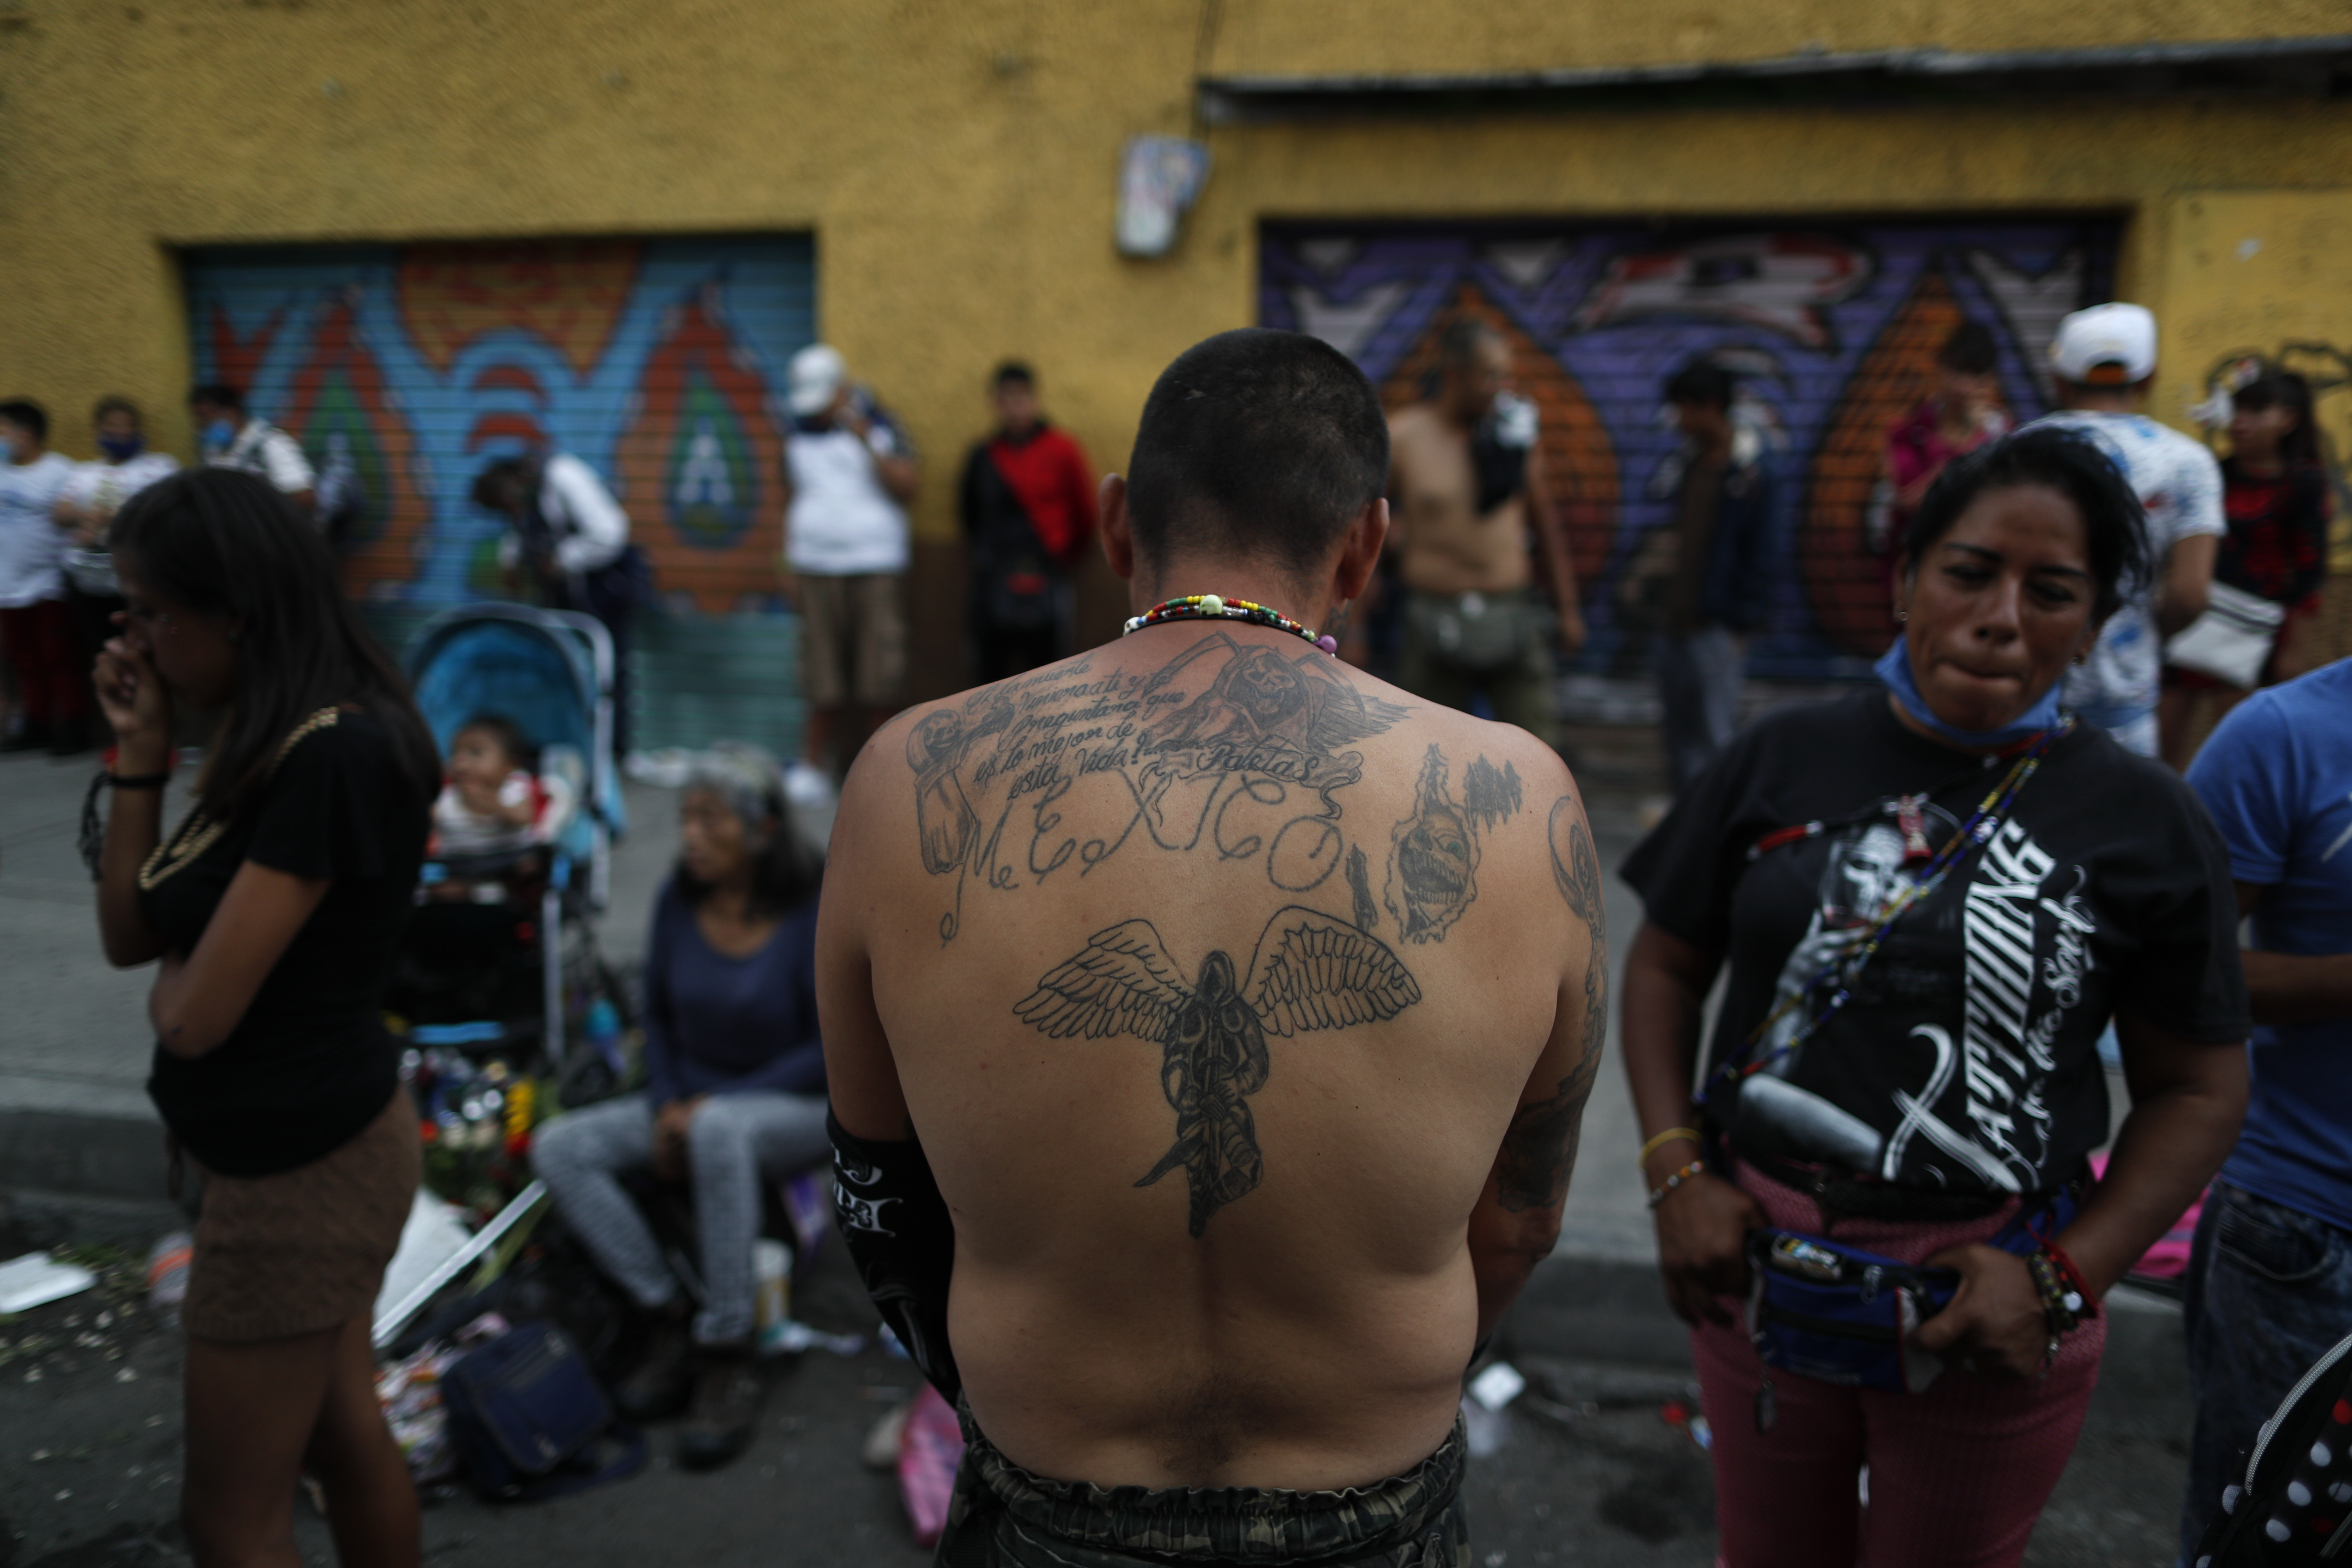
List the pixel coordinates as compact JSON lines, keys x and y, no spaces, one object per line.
{"x":1209,"y":1025}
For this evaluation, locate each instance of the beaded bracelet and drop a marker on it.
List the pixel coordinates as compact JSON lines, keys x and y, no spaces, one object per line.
{"x":1658,"y":1193}
{"x":1663,"y":1139}
{"x":2064,"y":1303}
{"x":2080,"y":1301}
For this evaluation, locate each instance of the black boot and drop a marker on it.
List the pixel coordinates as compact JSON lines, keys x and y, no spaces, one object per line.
{"x":728,"y":1392}
{"x":663,"y":1381}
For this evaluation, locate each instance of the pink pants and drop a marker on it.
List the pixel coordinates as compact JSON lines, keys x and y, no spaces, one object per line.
{"x":1957,"y":1474}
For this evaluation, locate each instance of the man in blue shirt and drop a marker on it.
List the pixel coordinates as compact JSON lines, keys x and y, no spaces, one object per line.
{"x":2270,"y":1279}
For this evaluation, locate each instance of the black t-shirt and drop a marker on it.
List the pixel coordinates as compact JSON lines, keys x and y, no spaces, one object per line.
{"x":311,"y":1064}
{"x":1966,"y":1060}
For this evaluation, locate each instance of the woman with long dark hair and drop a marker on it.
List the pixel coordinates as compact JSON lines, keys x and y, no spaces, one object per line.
{"x":2274,"y":494}
{"x":734,"y":1090}
{"x":272,"y":911}
{"x":1871,"y":1191}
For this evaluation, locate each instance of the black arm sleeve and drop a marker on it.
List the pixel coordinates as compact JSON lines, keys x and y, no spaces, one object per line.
{"x":902,"y":1239}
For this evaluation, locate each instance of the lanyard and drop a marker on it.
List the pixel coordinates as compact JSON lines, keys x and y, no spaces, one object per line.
{"x":1846,"y":967}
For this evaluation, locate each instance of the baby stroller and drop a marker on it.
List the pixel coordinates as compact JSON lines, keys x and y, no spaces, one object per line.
{"x":516,"y":975}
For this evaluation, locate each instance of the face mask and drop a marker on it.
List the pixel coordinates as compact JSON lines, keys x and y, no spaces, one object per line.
{"x":220,"y":433}
{"x":122,"y":448}
{"x":1894,"y":670}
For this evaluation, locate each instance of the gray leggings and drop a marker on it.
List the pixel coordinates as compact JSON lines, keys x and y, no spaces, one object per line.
{"x":735,"y":1139}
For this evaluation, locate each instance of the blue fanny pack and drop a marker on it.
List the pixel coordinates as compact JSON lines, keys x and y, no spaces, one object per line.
{"x":1841,"y":1314}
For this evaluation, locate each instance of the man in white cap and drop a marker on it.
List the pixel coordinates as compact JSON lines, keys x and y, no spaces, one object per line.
{"x":2102,"y":361}
{"x":852,"y":475}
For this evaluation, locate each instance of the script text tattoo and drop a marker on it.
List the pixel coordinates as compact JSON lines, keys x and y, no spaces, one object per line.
{"x":1232,"y":748}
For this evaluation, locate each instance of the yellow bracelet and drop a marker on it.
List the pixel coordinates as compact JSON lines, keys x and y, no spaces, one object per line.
{"x":1663,"y":1139}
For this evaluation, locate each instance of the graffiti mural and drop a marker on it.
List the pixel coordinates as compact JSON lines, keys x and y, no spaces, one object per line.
{"x":1832,"y":330}
{"x":408,"y":368}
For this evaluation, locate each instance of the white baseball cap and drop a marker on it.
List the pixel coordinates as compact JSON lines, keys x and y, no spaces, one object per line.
{"x":816,"y":374}
{"x":2106,"y":346}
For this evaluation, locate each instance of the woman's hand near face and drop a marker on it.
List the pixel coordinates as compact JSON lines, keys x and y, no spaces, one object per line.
{"x":1995,"y":1327}
{"x":1703,"y":1228}
{"x":137,"y":707}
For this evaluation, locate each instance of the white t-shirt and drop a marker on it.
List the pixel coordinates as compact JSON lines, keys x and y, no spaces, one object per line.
{"x":32,"y":545}
{"x":2180,"y":483}
{"x":460,"y":832}
{"x":589,"y":526}
{"x":842,"y":522}
{"x":109,"y":485}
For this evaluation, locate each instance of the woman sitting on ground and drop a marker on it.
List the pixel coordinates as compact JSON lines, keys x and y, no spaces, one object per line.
{"x":734,"y":1092}
{"x":1932,"y":897}
{"x":274,"y":909}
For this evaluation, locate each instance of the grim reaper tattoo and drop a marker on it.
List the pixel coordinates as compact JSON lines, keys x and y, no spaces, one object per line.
{"x":1310,"y":971}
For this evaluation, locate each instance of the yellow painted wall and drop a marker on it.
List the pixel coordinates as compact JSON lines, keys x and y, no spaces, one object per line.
{"x":956,"y":161}
{"x":2265,"y":272}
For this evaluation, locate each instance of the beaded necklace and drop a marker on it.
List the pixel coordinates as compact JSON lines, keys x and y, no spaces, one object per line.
{"x":1213,"y":607}
{"x":1846,"y":967}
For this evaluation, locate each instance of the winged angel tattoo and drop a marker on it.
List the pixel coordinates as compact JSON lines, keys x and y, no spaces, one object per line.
{"x":1310,"y":972}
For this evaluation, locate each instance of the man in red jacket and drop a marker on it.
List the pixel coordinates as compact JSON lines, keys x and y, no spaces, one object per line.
{"x":1028,"y":505}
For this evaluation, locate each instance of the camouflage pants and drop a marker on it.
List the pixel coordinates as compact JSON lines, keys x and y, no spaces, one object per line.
{"x":1003,"y":1517}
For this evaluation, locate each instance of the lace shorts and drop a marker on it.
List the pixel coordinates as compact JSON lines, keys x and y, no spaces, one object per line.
{"x":303,"y":1250}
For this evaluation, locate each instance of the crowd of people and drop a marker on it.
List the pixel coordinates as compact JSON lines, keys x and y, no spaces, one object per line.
{"x":1197,"y":1293}
{"x":57,"y":593}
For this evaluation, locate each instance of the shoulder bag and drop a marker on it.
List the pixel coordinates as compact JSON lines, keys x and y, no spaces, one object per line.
{"x":2231,"y":640}
{"x":528,"y":1420}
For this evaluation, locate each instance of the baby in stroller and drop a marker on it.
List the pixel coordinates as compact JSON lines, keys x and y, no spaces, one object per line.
{"x":495,"y":816}
{"x":470,"y":951}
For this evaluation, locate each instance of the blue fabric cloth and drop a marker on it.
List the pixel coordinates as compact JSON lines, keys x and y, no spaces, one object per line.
{"x":2269,"y":1290}
{"x":2277,"y":778}
{"x":716,"y":1024}
{"x":1893,"y":668}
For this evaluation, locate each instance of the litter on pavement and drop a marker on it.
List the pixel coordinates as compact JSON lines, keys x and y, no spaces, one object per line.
{"x":37,"y":1278}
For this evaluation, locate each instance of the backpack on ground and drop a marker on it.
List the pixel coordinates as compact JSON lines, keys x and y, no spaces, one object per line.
{"x":528,"y":1419}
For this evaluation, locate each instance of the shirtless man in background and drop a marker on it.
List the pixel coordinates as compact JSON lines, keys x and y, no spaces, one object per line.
{"x":1217,"y":1020}
{"x":1466,"y":480}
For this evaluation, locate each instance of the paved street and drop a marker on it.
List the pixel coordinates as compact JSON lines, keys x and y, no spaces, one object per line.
{"x":1589,"y":1472}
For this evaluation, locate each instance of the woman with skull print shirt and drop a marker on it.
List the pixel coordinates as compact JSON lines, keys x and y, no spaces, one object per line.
{"x":1912,"y":1098}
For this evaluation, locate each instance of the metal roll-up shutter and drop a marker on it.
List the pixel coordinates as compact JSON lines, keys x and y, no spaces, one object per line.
{"x":661,"y":362}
